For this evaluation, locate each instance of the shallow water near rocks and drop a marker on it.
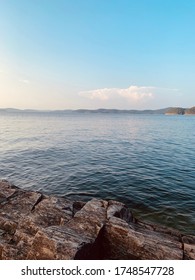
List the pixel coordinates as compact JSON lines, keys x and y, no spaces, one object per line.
{"x":145,"y":161}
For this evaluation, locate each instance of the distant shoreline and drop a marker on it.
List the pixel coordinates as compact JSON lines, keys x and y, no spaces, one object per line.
{"x":164,"y":111}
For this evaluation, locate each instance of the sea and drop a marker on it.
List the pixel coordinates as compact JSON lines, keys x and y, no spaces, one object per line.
{"x":144,"y":161}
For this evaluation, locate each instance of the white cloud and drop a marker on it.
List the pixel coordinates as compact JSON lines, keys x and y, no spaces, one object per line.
{"x":136,"y":93}
{"x":133,"y":93}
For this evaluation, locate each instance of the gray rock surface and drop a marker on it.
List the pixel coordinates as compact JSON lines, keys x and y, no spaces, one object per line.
{"x":36,"y":226}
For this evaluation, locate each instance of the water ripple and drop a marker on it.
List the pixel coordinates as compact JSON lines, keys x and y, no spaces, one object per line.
{"x":146,"y":162}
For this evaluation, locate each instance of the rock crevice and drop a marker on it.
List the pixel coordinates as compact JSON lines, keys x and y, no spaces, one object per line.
{"x":37,"y":226}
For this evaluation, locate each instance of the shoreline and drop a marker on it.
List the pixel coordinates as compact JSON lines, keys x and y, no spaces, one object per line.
{"x":37,"y":226}
{"x":162,"y":111}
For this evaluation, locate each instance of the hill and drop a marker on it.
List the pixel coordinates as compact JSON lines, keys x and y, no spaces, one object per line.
{"x":180,"y":111}
{"x":175,"y":111}
{"x":166,"y":111}
{"x":190,"y":111}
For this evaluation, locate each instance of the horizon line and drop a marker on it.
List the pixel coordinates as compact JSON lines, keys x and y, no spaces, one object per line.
{"x":87,"y":109}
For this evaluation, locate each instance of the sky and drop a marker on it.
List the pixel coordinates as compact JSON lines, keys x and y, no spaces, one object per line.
{"x":71,"y":54}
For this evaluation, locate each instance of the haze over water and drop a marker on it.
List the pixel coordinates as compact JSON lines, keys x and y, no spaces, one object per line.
{"x":144,"y":161}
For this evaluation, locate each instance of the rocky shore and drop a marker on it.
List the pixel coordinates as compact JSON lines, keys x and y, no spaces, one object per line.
{"x":36,"y":226}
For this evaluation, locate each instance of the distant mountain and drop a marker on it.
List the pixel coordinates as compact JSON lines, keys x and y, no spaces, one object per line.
{"x":111,"y":111}
{"x":175,"y":111}
{"x":166,"y":111}
{"x":10,"y":110}
{"x":13,"y":110}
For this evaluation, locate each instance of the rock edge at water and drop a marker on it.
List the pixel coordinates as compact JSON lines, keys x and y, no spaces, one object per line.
{"x":37,"y":226}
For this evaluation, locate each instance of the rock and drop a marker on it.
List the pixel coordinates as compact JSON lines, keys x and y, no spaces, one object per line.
{"x":132,"y":241}
{"x":36,"y":226}
{"x":189,"y":247}
{"x":56,"y":243}
{"x":90,"y":219}
{"x":119,"y":210}
{"x":52,"y":211}
{"x":17,"y":201}
{"x":77,"y":205}
{"x":75,"y":238}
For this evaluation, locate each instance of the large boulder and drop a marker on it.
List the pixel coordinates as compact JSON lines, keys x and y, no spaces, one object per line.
{"x":132,"y":241}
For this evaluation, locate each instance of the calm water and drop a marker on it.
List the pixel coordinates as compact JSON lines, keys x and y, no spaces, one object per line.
{"x":146,"y":161}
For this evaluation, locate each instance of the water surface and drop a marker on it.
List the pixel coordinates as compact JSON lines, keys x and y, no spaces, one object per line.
{"x":146,"y":161}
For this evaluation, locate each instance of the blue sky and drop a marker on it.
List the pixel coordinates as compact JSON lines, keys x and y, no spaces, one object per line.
{"x":69,"y":54}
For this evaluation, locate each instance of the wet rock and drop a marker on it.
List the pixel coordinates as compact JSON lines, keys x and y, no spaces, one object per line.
{"x":77,"y":205}
{"x":119,"y":210}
